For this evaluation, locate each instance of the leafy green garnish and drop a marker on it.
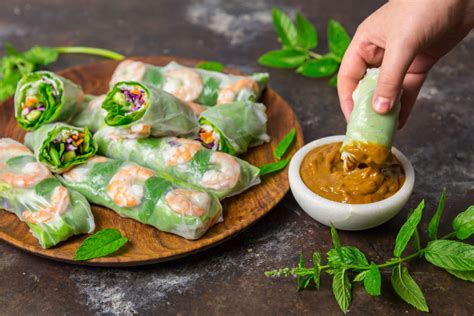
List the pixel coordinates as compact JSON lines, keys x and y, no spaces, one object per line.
{"x":434,"y":222}
{"x":273,"y":166}
{"x":284,"y":144}
{"x":298,"y":38}
{"x":210,"y":65}
{"x":100,"y":244}
{"x":15,"y":64}
{"x":455,"y":257}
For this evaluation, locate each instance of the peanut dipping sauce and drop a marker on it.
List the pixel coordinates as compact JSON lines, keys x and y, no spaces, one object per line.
{"x":377,"y":175}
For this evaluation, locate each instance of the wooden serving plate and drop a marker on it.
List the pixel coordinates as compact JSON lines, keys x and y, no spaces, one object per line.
{"x":148,"y":245}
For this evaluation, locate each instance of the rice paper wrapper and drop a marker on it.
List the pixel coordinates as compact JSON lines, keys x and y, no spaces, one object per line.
{"x":165,"y":115}
{"x":182,"y":161}
{"x":366,"y":125}
{"x":205,"y":87}
{"x":60,"y":97}
{"x":40,"y":142}
{"x":240,"y":125}
{"x":29,"y":190}
{"x":91,"y":113}
{"x":136,"y":192}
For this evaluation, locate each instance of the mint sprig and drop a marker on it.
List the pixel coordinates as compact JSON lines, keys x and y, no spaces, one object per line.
{"x":210,"y":65}
{"x":279,"y":151}
{"x":348,"y":264}
{"x":298,"y":38}
{"x":102,"y":243}
{"x":15,"y":64}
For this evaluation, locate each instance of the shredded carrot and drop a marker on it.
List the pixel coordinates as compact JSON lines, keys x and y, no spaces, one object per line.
{"x":74,"y":137}
{"x":79,"y":141}
{"x":135,"y":91}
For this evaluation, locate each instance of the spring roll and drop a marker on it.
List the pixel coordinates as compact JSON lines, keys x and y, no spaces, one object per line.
{"x":136,"y":192}
{"x":232,"y":128}
{"x":148,"y":110}
{"x":183,"y":161}
{"x":193,"y":84}
{"x":60,"y":146}
{"x":91,"y":113}
{"x":30,"y":191}
{"x":43,"y":97}
{"x":369,"y":135}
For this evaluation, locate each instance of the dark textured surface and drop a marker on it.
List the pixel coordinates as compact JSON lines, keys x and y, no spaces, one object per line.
{"x":229,"y":278}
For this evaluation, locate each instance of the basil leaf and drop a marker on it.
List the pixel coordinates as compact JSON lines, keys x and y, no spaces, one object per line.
{"x":273,"y":167}
{"x":338,"y":39}
{"x":100,"y":244}
{"x":317,"y":68}
{"x":153,"y":76}
{"x":284,"y":144}
{"x":307,"y":36}
{"x":434,"y":222}
{"x":209,"y":93}
{"x":317,"y":268}
{"x":154,"y":189}
{"x":341,"y":287}
{"x":463,"y":224}
{"x":46,"y":186}
{"x":20,"y":161}
{"x":285,"y":28}
{"x":300,"y":279}
{"x":210,"y":65}
{"x":373,"y":280}
{"x":346,"y":256}
{"x":407,"y":230}
{"x":100,"y":174}
{"x":407,"y":289}
{"x":463,"y":275}
{"x":200,"y":161}
{"x":285,"y":58}
{"x":450,"y":254}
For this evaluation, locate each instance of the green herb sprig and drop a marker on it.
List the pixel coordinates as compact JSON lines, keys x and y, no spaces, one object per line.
{"x":280,"y":150}
{"x":298,"y":38}
{"x":346,"y":262}
{"x":102,"y":243}
{"x":210,"y":65}
{"x":15,"y":64}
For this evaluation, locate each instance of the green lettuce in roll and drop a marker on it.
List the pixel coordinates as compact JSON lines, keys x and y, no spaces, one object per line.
{"x":193,"y":84}
{"x":148,"y":110}
{"x":43,"y":97}
{"x":136,"y":192}
{"x":182,"y":161}
{"x":91,"y":113}
{"x":29,"y":190}
{"x":234,"y":127}
{"x":369,"y":135}
{"x":61,"y":146}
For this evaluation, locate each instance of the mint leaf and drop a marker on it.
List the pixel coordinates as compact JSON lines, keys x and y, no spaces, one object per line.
{"x":300,"y":279}
{"x":100,"y":244}
{"x":450,"y":254}
{"x":463,"y":224}
{"x":373,"y":280}
{"x":41,"y":55}
{"x":317,"y":68}
{"x":307,"y":36}
{"x":346,"y":256}
{"x":210,"y":65}
{"x":407,"y":289}
{"x":463,"y":275}
{"x":285,"y":28}
{"x":434,"y":222}
{"x":333,"y":81}
{"x":341,"y":287}
{"x":317,"y":268}
{"x":407,"y":230}
{"x":361,"y":276}
{"x":285,"y":58}
{"x":338,"y":39}
{"x":284,"y":144}
{"x":335,"y":239}
{"x":273,"y":167}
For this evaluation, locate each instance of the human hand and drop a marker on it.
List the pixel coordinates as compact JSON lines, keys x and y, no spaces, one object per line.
{"x":405,"y":38}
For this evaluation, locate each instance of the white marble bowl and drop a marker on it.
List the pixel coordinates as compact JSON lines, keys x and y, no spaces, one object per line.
{"x":347,"y":216}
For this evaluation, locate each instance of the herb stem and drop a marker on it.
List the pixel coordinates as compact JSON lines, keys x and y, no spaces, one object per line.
{"x":90,"y":51}
{"x":314,"y":55}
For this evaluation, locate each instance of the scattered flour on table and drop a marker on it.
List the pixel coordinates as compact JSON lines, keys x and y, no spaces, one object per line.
{"x":237,"y":24}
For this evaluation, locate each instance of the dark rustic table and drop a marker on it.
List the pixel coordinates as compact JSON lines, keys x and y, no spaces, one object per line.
{"x":229,"y":279}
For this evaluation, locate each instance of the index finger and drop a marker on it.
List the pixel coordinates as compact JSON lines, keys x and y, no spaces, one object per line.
{"x":352,"y":70}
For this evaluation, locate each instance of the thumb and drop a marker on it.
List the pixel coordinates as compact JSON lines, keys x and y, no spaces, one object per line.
{"x":396,"y":61}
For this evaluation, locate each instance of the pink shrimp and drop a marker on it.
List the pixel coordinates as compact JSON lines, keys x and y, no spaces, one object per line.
{"x":180,"y":150}
{"x":188,"y":202}
{"x":184,"y":83}
{"x":59,"y":203}
{"x":225,"y":176}
{"x":31,"y":174}
{"x":128,"y":70}
{"x":229,"y":93}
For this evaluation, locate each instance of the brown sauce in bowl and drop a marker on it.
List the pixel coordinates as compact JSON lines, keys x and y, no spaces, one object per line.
{"x":371,"y":180}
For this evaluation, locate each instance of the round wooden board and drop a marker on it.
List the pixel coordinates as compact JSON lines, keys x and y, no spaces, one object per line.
{"x":148,"y":245}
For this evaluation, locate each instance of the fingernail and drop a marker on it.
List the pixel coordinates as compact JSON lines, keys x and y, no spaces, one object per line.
{"x":382,"y":105}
